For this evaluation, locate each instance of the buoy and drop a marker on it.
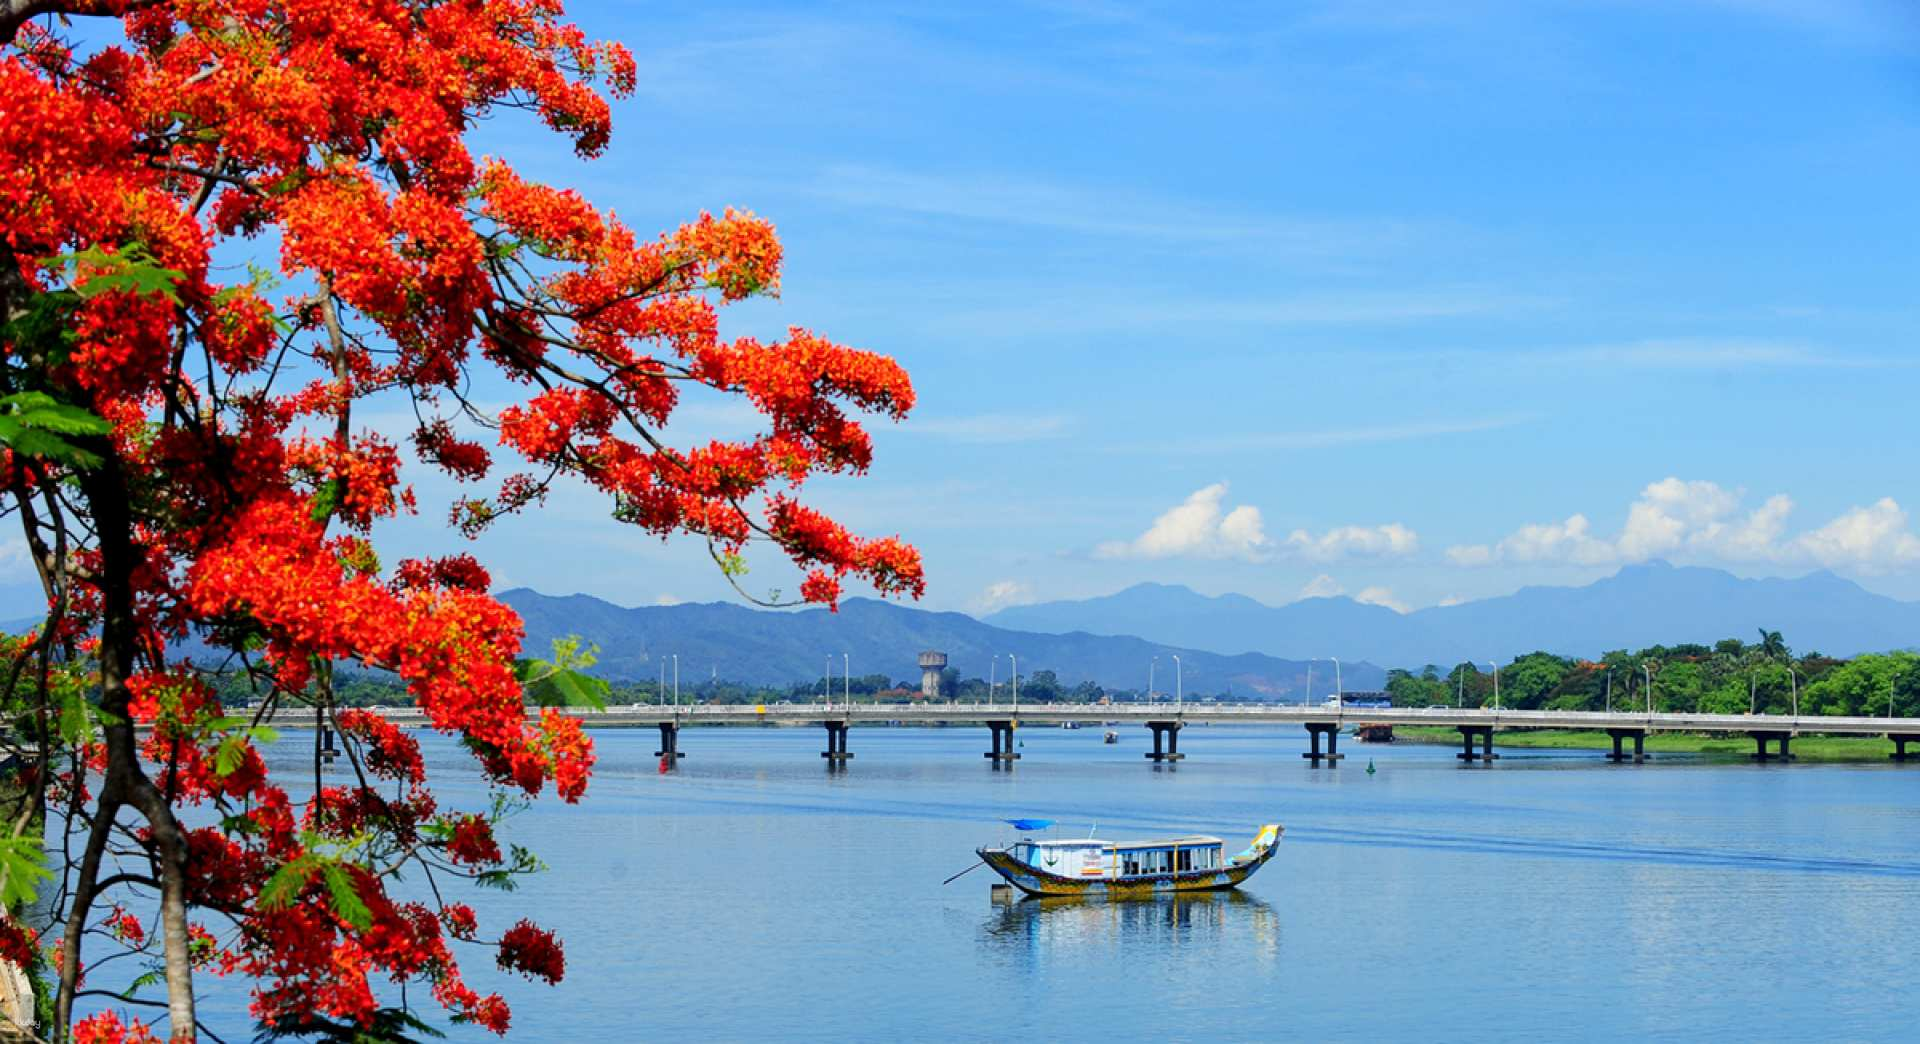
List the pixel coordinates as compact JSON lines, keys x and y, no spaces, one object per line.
{"x":1369,"y":766}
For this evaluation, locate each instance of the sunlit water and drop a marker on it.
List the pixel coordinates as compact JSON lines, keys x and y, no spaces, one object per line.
{"x":752,"y":893}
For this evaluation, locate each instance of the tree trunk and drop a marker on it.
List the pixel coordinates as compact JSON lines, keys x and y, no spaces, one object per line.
{"x":106,"y":491}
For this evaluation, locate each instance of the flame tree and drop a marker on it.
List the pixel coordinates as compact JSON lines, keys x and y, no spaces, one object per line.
{"x":181,"y":453}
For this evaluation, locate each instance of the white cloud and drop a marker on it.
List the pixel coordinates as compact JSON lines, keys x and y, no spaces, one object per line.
{"x":1382,"y":596}
{"x":667,"y":599}
{"x":1676,"y":518}
{"x":1197,"y":528}
{"x":1000,"y":594}
{"x":1453,"y":599}
{"x":1392,"y":539}
{"x":1322,"y":586}
{"x":1875,"y":536}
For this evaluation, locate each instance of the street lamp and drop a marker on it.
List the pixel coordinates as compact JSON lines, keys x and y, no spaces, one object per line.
{"x":660,"y":694}
{"x":1151,"y":664}
{"x":1179,"y":694}
{"x":1015,"y":661}
{"x":676,"y":679}
{"x":846,"y":682}
{"x":1609,"y":692}
{"x":1794,"y":680}
{"x":1308,"y":702}
{"x":1460,"y":692}
{"x":1496,"y":685}
{"x":1339,"y":691}
{"x":993,"y":679}
{"x":1646,"y":670}
{"x":1752,"y":693}
{"x":826,"y":684}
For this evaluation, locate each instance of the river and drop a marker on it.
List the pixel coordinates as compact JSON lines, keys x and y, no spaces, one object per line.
{"x":753,"y":893}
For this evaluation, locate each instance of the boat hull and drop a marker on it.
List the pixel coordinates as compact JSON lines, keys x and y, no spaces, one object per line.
{"x":1035,"y":881}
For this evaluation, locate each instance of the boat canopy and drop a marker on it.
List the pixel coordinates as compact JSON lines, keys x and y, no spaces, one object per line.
{"x":1169,"y":842}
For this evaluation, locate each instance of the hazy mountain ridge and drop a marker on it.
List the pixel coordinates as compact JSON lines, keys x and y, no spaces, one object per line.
{"x":778,"y":648}
{"x":1641,"y":605}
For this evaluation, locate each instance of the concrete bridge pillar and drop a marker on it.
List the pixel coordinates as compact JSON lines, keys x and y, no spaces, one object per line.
{"x":1169,"y":732}
{"x":1639,"y":737}
{"x":1331,"y":730}
{"x":1002,"y":742}
{"x":1781,"y":739}
{"x":1900,"y":741}
{"x":1468,"y":733}
{"x":669,"y":741}
{"x":836,"y":741}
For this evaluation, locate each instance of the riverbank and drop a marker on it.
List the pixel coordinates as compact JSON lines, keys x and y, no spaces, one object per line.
{"x":1805,"y":747}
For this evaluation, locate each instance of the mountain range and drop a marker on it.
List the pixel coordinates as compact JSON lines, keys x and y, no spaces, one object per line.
{"x":732,"y":642}
{"x":1641,"y":605}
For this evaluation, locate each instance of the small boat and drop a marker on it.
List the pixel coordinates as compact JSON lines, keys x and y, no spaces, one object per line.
{"x":1069,"y":724}
{"x":1112,"y":736}
{"x":1130,"y":870}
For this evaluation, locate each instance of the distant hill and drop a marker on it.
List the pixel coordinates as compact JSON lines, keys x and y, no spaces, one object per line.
{"x":779,"y":648}
{"x":1641,"y":605}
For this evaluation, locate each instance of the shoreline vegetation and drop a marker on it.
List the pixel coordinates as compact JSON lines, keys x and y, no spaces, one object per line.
{"x":1730,"y":746}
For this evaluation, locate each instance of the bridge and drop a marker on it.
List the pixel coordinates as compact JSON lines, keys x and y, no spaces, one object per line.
{"x":1476,"y":725}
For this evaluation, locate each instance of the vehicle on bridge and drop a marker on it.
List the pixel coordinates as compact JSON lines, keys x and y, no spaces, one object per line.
{"x":1131,"y":870}
{"x":1365,"y":700}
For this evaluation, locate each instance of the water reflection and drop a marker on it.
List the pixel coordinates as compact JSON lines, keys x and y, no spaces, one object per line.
{"x":1065,"y":925}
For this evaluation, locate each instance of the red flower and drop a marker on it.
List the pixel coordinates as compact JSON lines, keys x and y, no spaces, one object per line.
{"x":472,"y":842}
{"x":533,"y":952}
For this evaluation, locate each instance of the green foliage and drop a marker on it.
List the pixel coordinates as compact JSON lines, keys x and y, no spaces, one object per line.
{"x":1727,"y":677}
{"x":22,"y":868}
{"x":386,"y":1026}
{"x":346,"y":898}
{"x":32,"y":425}
{"x":562,"y":681}
{"x":130,"y":270}
{"x":291,"y":880}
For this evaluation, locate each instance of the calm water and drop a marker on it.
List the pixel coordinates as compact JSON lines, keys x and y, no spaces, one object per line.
{"x":752,"y":894}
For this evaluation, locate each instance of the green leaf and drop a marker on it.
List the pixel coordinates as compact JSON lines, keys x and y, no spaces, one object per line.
{"x":75,"y":724}
{"x":40,"y":410}
{"x":132,"y":270}
{"x":287,"y":882}
{"x":568,"y":688}
{"x":23,"y":861}
{"x":230,"y":755}
{"x":346,"y":899}
{"x":501,"y":879}
{"x":31,"y":424}
{"x":563,"y":682}
{"x":239,"y":825}
{"x":327,"y":498}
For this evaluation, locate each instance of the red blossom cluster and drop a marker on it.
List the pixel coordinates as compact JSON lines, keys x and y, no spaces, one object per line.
{"x":533,"y":952}
{"x":335,"y":130}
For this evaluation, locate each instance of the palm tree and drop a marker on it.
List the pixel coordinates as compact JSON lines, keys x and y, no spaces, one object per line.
{"x":1772,"y":646}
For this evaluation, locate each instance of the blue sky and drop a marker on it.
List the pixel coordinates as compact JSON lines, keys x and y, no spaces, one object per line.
{"x":1423,"y":300}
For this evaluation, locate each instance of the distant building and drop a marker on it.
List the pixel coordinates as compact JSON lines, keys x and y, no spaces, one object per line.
{"x":931,"y":664}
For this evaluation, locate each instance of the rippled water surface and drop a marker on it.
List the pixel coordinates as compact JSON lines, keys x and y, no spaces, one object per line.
{"x":752,"y":893}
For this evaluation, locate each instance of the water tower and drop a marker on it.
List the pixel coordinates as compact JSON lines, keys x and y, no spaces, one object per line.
{"x":931,"y":664}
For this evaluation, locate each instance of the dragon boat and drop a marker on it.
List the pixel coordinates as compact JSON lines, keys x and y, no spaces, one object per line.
{"x":1131,"y":870}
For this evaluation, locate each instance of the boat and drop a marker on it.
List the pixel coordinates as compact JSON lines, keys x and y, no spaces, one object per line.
{"x":1069,"y":724}
{"x":1129,"y":870}
{"x":1112,"y":736}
